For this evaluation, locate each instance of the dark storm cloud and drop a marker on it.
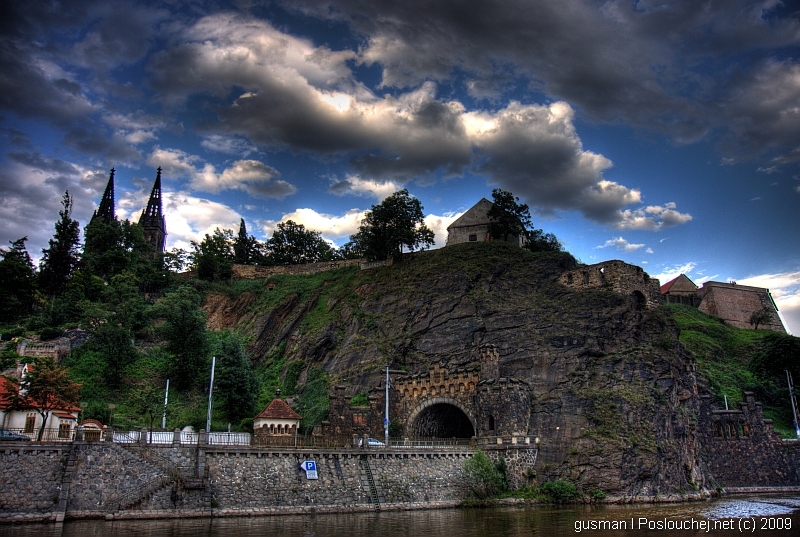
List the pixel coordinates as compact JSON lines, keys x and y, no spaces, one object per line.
{"x":668,"y":66}
{"x":45,"y":164}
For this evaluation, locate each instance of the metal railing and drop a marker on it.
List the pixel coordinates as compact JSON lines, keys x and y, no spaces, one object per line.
{"x":428,"y":443}
{"x":300,"y":441}
{"x":51,"y":434}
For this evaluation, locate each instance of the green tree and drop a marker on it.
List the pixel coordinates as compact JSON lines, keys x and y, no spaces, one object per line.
{"x":293,"y":244}
{"x":537,"y":240}
{"x":17,"y":281}
{"x":484,"y":477}
{"x":245,"y":247}
{"x":393,"y":224}
{"x":213,"y":257}
{"x":147,"y":400}
{"x":46,"y":386}
{"x":104,"y":248}
{"x":184,"y":329}
{"x":60,"y":258}
{"x":509,"y":218}
{"x":236,"y":384}
{"x":762,"y":316}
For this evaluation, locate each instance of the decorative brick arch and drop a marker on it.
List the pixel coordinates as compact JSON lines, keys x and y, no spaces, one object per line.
{"x":429,"y":402}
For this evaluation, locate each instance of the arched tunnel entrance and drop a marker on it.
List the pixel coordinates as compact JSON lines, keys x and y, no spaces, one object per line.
{"x":441,"y":420}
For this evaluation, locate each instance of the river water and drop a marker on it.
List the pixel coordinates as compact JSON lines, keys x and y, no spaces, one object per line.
{"x":763,"y":516}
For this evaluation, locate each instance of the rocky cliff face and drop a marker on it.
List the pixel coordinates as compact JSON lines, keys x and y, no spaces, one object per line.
{"x":613,"y":395}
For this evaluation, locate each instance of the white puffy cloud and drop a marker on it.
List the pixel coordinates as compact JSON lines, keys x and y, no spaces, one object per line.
{"x":188,"y":217}
{"x":652,"y":217}
{"x":330,"y":226}
{"x":355,"y":185}
{"x":670,"y":273}
{"x":622,"y":244}
{"x":438,"y":224}
{"x":252,"y":176}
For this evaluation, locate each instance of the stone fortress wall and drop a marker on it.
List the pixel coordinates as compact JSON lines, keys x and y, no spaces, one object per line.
{"x":616,"y":276}
{"x":742,"y":448}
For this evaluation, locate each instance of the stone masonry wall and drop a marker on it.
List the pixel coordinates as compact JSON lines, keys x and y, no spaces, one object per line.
{"x":616,"y":276}
{"x":257,"y":272}
{"x":742,"y":449}
{"x":31,"y":479}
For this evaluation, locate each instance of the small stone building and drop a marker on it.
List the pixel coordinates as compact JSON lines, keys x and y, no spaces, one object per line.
{"x":473,"y":226}
{"x":277,"y":419}
{"x":681,"y":290}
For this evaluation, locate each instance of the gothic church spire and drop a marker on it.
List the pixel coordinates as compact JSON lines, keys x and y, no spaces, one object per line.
{"x":106,"y":210}
{"x":152,"y":219}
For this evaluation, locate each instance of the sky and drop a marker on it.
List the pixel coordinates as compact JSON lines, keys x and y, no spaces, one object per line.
{"x":664,"y":134}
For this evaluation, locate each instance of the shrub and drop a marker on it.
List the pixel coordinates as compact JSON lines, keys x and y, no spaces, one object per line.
{"x":484,"y":477}
{"x":560,"y":490}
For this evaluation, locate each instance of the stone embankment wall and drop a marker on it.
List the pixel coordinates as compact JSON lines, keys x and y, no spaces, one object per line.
{"x":227,"y":481}
{"x":31,"y":479}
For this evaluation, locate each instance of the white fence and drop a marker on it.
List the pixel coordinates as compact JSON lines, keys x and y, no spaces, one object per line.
{"x":186,"y":438}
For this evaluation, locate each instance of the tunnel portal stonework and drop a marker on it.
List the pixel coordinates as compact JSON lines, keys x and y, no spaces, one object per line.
{"x":439,"y":403}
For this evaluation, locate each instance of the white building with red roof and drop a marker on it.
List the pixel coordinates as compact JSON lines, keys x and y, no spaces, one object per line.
{"x":277,"y":419}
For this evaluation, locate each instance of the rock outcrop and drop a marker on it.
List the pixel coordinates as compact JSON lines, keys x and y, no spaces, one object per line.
{"x":613,"y":394}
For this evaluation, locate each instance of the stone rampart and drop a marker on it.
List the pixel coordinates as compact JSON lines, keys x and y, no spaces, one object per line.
{"x":616,"y":276}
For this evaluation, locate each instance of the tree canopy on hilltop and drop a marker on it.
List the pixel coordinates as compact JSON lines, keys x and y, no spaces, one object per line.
{"x":393,"y":224}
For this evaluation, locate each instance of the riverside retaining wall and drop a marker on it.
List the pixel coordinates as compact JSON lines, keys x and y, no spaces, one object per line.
{"x":219,"y":481}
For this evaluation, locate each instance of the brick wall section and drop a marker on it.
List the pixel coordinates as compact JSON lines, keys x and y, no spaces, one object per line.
{"x":31,"y":479}
{"x":618,"y":277}
{"x":734,"y":304}
{"x":742,"y":449}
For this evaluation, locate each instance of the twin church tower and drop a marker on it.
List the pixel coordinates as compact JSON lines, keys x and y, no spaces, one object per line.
{"x":152,"y":218}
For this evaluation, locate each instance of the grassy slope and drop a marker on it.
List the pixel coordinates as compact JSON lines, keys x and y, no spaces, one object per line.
{"x":723,"y":355}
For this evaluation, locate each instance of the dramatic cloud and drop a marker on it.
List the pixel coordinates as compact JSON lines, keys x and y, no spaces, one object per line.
{"x":674,"y":66}
{"x":652,"y":217}
{"x":306,"y":98}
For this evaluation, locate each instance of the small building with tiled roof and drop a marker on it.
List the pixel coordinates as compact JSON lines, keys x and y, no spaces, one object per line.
{"x":473,"y":226}
{"x":26,"y":419}
{"x":277,"y":419}
{"x":681,"y":290}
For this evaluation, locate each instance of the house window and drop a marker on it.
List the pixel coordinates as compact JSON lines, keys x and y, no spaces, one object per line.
{"x":64,"y":429}
{"x":30,"y":423}
{"x":473,"y":238}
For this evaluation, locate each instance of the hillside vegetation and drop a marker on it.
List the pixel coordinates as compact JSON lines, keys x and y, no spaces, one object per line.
{"x":731,"y":361}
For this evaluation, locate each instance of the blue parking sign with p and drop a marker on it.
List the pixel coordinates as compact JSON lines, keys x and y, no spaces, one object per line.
{"x":311,"y":469}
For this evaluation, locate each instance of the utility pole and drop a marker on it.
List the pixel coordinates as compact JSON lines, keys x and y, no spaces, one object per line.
{"x":794,"y":403}
{"x":210,"y":395}
{"x":166,"y":399}
{"x":386,"y":417}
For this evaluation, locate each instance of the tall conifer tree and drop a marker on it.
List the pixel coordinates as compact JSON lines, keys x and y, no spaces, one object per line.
{"x":60,"y":258}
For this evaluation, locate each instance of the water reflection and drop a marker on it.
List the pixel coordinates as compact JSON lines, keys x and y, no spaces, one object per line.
{"x":500,"y":522}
